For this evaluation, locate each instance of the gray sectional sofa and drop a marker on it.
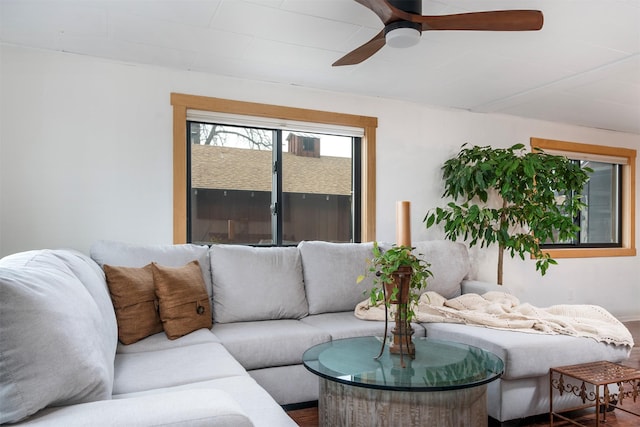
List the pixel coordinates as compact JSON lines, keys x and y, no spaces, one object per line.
{"x":61,"y":362}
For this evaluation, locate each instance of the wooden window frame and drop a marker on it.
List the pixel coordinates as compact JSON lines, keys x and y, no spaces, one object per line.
{"x":183,"y":102}
{"x":628,"y":197}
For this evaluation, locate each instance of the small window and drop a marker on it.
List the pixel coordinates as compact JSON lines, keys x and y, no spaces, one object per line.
{"x":607,"y":223}
{"x":599,"y":222}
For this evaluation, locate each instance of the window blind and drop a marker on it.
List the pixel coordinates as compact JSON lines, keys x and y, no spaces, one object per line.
{"x":272,"y":123}
{"x":617,"y":160}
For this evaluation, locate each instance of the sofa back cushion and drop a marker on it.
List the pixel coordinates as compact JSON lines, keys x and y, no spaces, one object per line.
{"x":56,"y":347}
{"x":449,"y":265}
{"x":331,"y":272}
{"x":256,"y":283}
{"x":93,"y":279}
{"x":127,"y":255}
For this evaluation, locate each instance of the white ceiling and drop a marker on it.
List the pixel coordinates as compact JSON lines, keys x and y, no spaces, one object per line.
{"x":582,"y":68}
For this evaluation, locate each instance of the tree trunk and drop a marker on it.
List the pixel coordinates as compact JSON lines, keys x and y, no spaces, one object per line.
{"x":503,"y":220}
{"x":500,"y":262}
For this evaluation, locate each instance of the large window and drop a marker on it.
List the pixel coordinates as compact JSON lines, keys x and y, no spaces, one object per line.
{"x":270,"y":186}
{"x":268,"y":175}
{"x":607,"y":224}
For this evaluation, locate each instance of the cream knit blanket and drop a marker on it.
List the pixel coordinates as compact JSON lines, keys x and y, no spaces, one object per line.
{"x":500,"y":310}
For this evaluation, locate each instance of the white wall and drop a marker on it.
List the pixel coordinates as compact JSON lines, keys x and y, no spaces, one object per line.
{"x":85,"y":154}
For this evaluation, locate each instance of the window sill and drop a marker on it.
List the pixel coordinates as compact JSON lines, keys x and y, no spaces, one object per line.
{"x":590,"y":252}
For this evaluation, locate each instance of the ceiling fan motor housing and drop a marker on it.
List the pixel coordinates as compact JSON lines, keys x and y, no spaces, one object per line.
{"x":402,"y":34}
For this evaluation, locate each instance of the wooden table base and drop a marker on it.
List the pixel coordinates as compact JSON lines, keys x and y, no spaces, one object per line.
{"x":344,"y":405}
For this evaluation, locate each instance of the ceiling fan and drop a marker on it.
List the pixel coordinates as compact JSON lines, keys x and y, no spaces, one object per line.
{"x":404,"y":23}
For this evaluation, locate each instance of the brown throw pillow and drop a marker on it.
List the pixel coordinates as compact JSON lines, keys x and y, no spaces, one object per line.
{"x":134,"y":299}
{"x":183,"y":299}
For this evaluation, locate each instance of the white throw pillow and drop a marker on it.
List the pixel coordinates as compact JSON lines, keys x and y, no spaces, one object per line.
{"x":51,"y":351}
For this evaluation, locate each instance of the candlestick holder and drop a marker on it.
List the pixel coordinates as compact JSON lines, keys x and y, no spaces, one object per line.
{"x":402,"y":342}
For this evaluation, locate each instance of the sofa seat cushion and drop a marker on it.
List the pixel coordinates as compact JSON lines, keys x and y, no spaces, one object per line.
{"x":270,"y":342}
{"x":278,"y":383}
{"x":56,"y":348}
{"x":259,"y":406}
{"x":527,"y":354}
{"x":346,"y":325}
{"x":198,"y":408}
{"x":331,"y":272}
{"x":257,"y":283}
{"x":160,"y":341}
{"x":170,"y":367}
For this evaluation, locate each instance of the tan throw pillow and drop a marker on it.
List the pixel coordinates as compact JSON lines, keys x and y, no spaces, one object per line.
{"x":183,"y":299}
{"x":134,"y":299}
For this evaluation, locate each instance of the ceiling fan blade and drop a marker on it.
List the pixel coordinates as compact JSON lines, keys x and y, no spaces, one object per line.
{"x":358,"y":55}
{"x":382,"y":8}
{"x":500,"y":20}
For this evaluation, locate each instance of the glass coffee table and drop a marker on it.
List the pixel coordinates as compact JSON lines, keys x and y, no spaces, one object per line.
{"x":444,"y":385}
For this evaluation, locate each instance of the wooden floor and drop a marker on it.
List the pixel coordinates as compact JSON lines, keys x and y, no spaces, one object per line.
{"x":309,"y":417}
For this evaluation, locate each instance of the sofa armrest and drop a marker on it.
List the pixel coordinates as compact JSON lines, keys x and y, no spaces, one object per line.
{"x":479,"y":287}
{"x":201,"y":407}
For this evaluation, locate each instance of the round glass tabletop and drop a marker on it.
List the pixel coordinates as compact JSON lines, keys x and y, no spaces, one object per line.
{"x":438,"y":364}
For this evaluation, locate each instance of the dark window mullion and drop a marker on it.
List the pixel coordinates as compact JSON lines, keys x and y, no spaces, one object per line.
{"x":356,"y":201}
{"x":276,"y":194}
{"x":189,"y":192}
{"x":620,"y":204}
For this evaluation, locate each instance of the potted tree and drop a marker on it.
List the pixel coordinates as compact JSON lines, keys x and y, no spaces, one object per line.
{"x":514,"y":198}
{"x":400,"y":276}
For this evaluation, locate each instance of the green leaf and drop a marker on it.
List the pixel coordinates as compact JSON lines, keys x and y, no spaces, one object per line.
{"x":430,"y":220}
{"x":528,"y":169}
{"x":479,"y":179}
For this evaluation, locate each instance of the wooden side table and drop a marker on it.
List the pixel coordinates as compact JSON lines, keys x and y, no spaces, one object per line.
{"x":599,"y":375}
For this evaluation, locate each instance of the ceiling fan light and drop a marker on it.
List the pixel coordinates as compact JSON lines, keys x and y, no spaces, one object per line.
{"x":402,"y":34}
